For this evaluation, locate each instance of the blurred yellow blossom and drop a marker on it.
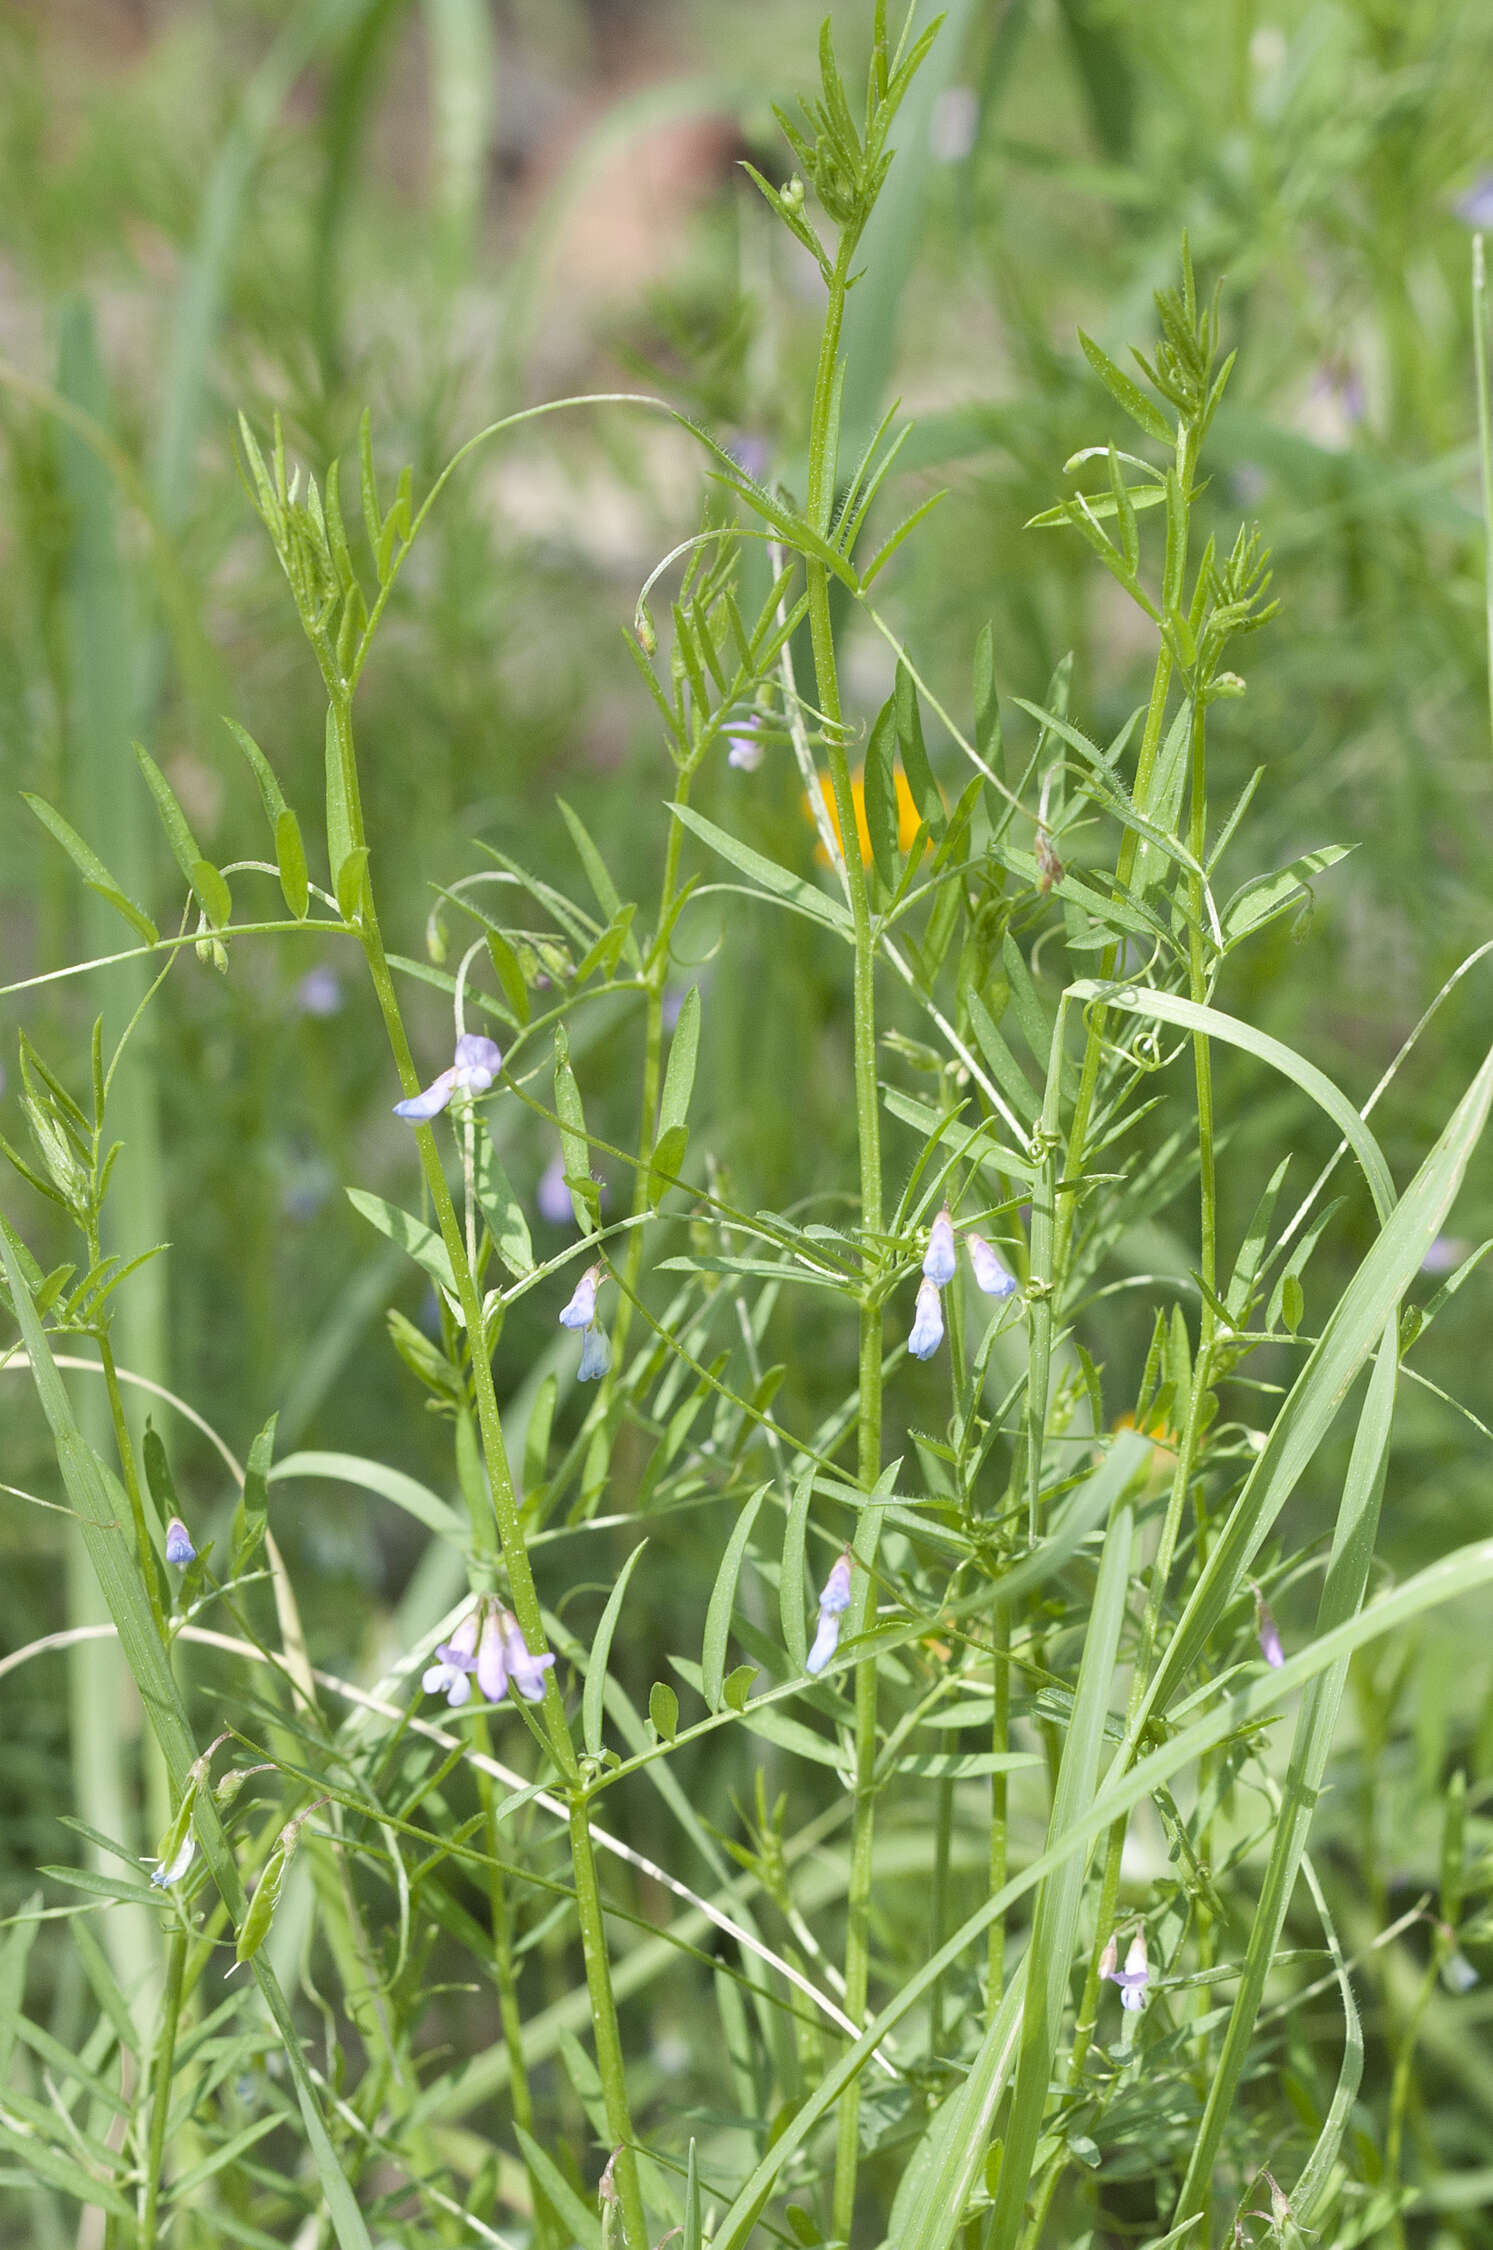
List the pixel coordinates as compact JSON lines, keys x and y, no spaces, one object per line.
{"x":907,"y":815}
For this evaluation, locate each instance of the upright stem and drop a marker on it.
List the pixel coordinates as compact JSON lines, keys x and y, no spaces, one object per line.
{"x":126,"y":1449}
{"x":160,"y":2090}
{"x":868,"y":1131}
{"x":522,"y":1590}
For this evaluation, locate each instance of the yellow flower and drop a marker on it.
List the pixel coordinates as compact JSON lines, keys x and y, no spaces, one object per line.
{"x":907,"y":815}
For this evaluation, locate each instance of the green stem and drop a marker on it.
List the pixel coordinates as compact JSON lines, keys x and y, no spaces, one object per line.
{"x":1000,"y":1743}
{"x":655,"y":976}
{"x":522,"y":1591}
{"x":868,"y":1131}
{"x":126,"y":1449}
{"x":510,"y":2016}
{"x":160,"y":2093}
{"x":1130,"y":843}
{"x":610,"y":2065}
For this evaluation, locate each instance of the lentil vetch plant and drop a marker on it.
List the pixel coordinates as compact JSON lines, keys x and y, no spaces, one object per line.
{"x":969,"y":1520}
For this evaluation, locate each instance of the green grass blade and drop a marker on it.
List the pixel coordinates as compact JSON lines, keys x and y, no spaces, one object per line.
{"x":1369,"y":1302}
{"x":1055,"y":1918}
{"x":1456,"y":1575}
{"x":1316,"y":1723}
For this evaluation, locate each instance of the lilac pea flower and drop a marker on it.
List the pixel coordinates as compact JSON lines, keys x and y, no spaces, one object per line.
{"x":478,"y":1061}
{"x":525,"y":1671}
{"x":1447,"y":1251}
{"x":927,"y":1325}
{"x":581,"y":1311}
{"x":492,"y":1658}
{"x":938,"y":1258}
{"x":430,"y":1101}
{"x":1268,"y":1635}
{"x":1475,"y":208}
{"x":596,"y":1355}
{"x":1134,"y":1977}
{"x":834,"y":1600}
{"x":476,"y":1064}
{"x":179,"y":1548}
{"x":746,"y":751}
{"x":319,"y":992}
{"x":552,"y":1196}
{"x":826,"y":1641}
{"x":456,"y":1661}
{"x":172,"y":1870}
{"x":992,"y":1274}
{"x":1457,"y":1972}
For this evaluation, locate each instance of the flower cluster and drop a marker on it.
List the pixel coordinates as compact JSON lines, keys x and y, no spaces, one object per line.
{"x":833,"y":1603}
{"x":474,"y":1067}
{"x":992,"y":1276}
{"x":489,"y":1643}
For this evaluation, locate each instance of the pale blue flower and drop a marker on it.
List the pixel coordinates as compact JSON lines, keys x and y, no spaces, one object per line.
{"x":991,"y":1272}
{"x":1268,"y":1635}
{"x":826,"y":1641}
{"x":1134,"y":1977}
{"x":745,"y":753}
{"x":492,"y":1660}
{"x":596,"y":1355}
{"x":179,"y":1548}
{"x":1457,"y":1972}
{"x":552,"y":1196}
{"x":1475,"y":208}
{"x":927,"y":1325}
{"x":834,"y":1600}
{"x":938,"y":1258}
{"x":525,"y":1671}
{"x":456,"y":1660}
{"x":581,"y":1311}
{"x":172,"y":1870}
{"x":319,"y":992}
{"x":475,"y":1066}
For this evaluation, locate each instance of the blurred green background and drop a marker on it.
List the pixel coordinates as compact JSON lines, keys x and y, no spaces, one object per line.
{"x":449,"y":209}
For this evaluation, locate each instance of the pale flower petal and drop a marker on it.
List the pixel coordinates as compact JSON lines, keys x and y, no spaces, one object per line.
{"x":938,"y":1259}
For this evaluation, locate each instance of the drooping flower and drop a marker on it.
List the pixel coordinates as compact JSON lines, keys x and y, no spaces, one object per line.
{"x":456,"y":1661}
{"x":991,"y":1272}
{"x":172,"y":1870}
{"x":581,"y":1311}
{"x":927,"y":1325}
{"x":1134,"y":1977}
{"x":834,"y":1600}
{"x":1475,"y":207}
{"x":319,"y":992}
{"x":476,"y":1064}
{"x":525,"y":1671}
{"x":492,"y":1660}
{"x":179,"y":1548}
{"x":746,"y":751}
{"x":1268,"y":1635}
{"x":596,"y":1354}
{"x":938,"y":1258}
{"x":552,"y":1196}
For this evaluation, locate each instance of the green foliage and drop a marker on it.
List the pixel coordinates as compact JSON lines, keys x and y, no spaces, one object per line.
{"x":1098,"y":981}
